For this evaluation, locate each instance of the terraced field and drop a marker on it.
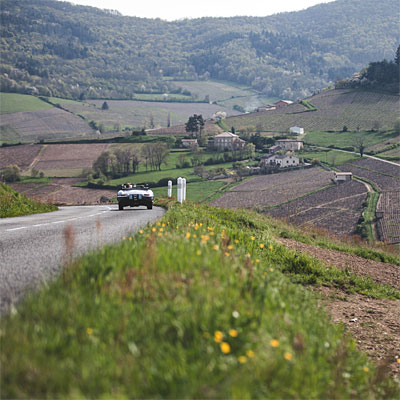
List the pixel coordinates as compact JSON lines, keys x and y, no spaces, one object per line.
{"x":22,"y":156}
{"x":268,"y":190}
{"x":335,"y":108}
{"x":388,"y":214}
{"x":336,"y":209}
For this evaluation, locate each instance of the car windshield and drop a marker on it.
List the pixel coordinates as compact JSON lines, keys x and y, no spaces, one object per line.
{"x":134,"y":187}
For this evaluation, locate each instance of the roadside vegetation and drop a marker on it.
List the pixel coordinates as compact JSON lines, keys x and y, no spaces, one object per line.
{"x":201,"y":304}
{"x":13,"y":204}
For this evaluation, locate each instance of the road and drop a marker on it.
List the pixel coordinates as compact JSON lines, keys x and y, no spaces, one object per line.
{"x":33,"y":248}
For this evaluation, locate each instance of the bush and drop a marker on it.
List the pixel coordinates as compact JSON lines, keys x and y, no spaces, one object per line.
{"x":11,"y":173}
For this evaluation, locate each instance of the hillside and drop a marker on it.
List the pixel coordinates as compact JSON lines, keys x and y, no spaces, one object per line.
{"x":55,"y":48}
{"x":336,"y":108}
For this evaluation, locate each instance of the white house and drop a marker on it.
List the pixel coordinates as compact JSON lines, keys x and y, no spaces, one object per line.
{"x":228,"y":141}
{"x":281,"y":161}
{"x":283,"y":103}
{"x":296,"y":130}
{"x":189,"y":143}
{"x":289,"y":144}
{"x":343,"y":177}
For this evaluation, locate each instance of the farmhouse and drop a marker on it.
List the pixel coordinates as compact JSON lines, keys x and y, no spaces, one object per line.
{"x":281,"y":161}
{"x":296,"y":130}
{"x":343,"y":177}
{"x":266,"y":108}
{"x":289,"y":144}
{"x":189,"y":143}
{"x":282,"y":103}
{"x":273,"y":149}
{"x":228,"y":141}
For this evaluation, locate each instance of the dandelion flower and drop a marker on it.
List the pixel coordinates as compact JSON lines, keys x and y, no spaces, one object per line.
{"x":226,"y":253}
{"x":230,"y":247}
{"x":271,"y":247}
{"x":366,"y":369}
{"x":89,"y":331}
{"x":161,"y":230}
{"x":130,"y":237}
{"x":218,"y":336}
{"x":153,"y":229}
{"x":271,"y":270}
{"x":248,"y":255}
{"x":194,"y":235}
{"x":253,"y":238}
{"x":233,"y":333}
{"x":262,"y":245}
{"x":123,"y":238}
{"x":236,"y":241}
{"x":158,"y":224}
{"x":198,"y":252}
{"x":225,"y":348}
{"x":215,"y":247}
{"x":288,"y":356}
{"x":250,"y":353}
{"x":141,"y":231}
{"x":257,"y":260}
{"x":163,"y":225}
{"x":187,"y":235}
{"x":274,"y":343}
{"x":242,"y":359}
{"x":398,"y":360}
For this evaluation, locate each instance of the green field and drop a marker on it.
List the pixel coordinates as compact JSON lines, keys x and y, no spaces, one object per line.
{"x":347,"y":139}
{"x":13,"y":102}
{"x":331,"y":157}
{"x":203,"y":304}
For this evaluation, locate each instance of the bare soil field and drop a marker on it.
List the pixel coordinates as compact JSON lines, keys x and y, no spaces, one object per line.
{"x":268,"y":190}
{"x":335,"y":108}
{"x":388,"y":214}
{"x":51,"y":123}
{"x":23,"y":155}
{"x":61,"y":192}
{"x":336,"y":209}
{"x":375,"y":324}
{"x":72,"y":157}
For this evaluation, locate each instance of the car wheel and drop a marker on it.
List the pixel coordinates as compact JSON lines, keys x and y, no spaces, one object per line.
{"x":150,"y":207}
{"x":120,"y":207}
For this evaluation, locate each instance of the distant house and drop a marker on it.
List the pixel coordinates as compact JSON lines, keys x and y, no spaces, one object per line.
{"x":282,"y":103}
{"x":228,"y":141}
{"x":343,"y":177}
{"x":289,"y":144}
{"x":296,"y":130}
{"x":274,"y":149}
{"x":281,"y":161}
{"x":266,"y":108}
{"x":189,"y":143}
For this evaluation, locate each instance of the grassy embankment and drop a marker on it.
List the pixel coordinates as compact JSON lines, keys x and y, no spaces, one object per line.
{"x":201,"y":304}
{"x":13,"y":102}
{"x":13,"y":204}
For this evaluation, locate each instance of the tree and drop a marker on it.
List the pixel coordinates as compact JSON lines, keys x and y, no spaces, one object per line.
{"x":169,"y":120}
{"x":195,"y":125}
{"x":105,"y":106}
{"x":103,"y":162}
{"x":11,"y":173}
{"x":160,"y":153}
{"x":359,"y":142}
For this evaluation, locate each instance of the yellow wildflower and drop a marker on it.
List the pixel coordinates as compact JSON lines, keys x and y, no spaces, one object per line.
{"x":194,"y":235}
{"x":271,"y":270}
{"x":225,"y":348}
{"x":163,"y":225}
{"x":242,"y":359}
{"x":158,"y":223}
{"x":233,"y":333}
{"x":257,"y":260}
{"x":398,"y":360}
{"x":262,"y":245}
{"x":198,"y":252}
{"x":250,"y":353}
{"x":161,"y":230}
{"x":248,"y":255}
{"x":130,"y":237}
{"x":253,"y":238}
{"x":187,"y":235}
{"x":159,"y":234}
{"x":226,"y":253}
{"x":89,"y":331}
{"x":218,"y":336}
{"x":123,"y":238}
{"x":215,"y":247}
{"x":236,"y":241}
{"x":141,"y":231}
{"x":366,"y":369}
{"x":274,"y":343}
{"x":153,"y":229}
{"x":271,"y":247}
{"x":288,"y":356}
{"x":230,"y":247}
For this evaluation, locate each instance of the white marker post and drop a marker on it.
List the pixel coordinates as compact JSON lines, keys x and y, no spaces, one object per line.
{"x":179,"y":190}
{"x":169,"y":189}
{"x":184,"y":189}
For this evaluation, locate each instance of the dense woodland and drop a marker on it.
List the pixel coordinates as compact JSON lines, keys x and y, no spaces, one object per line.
{"x":55,"y":48}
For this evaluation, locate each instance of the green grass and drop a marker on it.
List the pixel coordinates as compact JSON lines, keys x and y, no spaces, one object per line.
{"x":13,"y":102}
{"x":331,"y":157}
{"x":346,"y":139}
{"x":160,"y":97}
{"x":13,"y":204}
{"x":191,"y":307}
{"x":368,"y":217}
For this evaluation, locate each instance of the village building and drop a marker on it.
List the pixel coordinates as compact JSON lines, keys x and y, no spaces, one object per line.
{"x":296,"y":130}
{"x":273,"y":149}
{"x":281,"y":161}
{"x":266,"y":108}
{"x":282,"y":103}
{"x":228,"y":141}
{"x":342,"y":177}
{"x":289,"y":144}
{"x":189,"y":143}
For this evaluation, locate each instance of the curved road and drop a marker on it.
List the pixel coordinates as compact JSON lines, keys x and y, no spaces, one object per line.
{"x":34,"y":247}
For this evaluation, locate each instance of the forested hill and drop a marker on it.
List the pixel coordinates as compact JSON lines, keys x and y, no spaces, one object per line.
{"x":56,"y":48}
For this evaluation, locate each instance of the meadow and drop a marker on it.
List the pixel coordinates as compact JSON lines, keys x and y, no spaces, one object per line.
{"x":223,"y":319}
{"x":13,"y":102}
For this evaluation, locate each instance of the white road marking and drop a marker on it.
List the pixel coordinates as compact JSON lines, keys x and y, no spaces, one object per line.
{"x":58,"y":222}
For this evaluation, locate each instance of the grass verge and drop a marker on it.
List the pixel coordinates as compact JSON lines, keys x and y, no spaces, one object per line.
{"x":13,"y":204}
{"x":195,"y":306}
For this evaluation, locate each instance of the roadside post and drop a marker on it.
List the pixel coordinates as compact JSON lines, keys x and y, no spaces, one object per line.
{"x":179,"y":190}
{"x":169,"y":189}
{"x":184,"y":189}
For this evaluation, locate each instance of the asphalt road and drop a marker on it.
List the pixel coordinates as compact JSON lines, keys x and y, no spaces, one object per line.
{"x":33,"y":248}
